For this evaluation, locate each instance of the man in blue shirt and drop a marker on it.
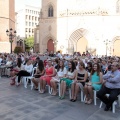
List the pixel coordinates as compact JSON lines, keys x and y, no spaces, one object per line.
{"x":111,"y":86}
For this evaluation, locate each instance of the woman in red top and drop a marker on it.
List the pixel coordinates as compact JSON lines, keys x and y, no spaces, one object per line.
{"x":49,"y":73}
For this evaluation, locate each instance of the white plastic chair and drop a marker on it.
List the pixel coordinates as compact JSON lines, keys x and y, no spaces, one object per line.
{"x":95,"y":97}
{"x":59,"y":88}
{"x":49,"y":88}
{"x":27,"y":78}
{"x":114,"y":103}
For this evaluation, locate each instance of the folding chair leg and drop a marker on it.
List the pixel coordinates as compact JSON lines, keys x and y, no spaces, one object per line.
{"x":113,"y":108}
{"x":82,"y":96}
{"x":101,"y":104}
{"x":95,"y":97}
{"x":49,"y":90}
{"x":32,"y":84}
{"x":119,"y":100}
{"x":16,"y":80}
{"x":25,"y":82}
{"x":70,"y":93}
{"x":39,"y":87}
{"x":59,"y":89}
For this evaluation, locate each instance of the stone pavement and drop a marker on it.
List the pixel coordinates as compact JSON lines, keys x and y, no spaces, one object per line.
{"x":25,"y":104}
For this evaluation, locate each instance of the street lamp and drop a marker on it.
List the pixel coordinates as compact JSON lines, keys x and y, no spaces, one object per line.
{"x":11,"y":35}
{"x":106,"y":43}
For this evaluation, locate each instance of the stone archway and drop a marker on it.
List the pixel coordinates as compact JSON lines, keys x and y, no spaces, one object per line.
{"x":116,"y":46}
{"x":77,"y":41}
{"x":82,"y":45}
{"x":44,"y":45}
{"x":50,"y":45}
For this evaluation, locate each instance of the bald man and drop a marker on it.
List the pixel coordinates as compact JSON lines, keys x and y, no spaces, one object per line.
{"x":111,"y":86}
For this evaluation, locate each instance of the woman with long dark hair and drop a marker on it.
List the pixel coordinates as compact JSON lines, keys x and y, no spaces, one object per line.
{"x":68,"y":80}
{"x":61,"y":72}
{"x":26,"y":72}
{"x":94,"y":84}
{"x":39,"y":72}
{"x":16,"y":70}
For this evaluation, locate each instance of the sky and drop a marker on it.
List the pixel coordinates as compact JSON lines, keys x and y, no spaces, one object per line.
{"x":20,"y":3}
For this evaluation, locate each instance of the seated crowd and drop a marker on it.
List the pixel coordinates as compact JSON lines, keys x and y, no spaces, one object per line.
{"x":76,"y":74}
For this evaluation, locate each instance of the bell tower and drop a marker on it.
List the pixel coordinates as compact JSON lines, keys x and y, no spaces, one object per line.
{"x":48,"y":26}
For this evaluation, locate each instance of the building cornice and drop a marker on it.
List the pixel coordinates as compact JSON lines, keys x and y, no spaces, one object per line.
{"x":8,"y":18}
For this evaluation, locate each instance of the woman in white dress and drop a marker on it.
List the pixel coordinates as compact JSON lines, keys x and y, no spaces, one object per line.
{"x":61,"y":72}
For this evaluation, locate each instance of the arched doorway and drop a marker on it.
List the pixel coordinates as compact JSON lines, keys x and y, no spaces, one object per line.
{"x":116,"y":48}
{"x":82,"y":45}
{"x":50,"y":45}
{"x":77,"y":41}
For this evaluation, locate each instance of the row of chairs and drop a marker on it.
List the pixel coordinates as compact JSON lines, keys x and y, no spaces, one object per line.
{"x":26,"y":79}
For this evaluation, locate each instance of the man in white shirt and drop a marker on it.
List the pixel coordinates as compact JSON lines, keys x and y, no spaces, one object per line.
{"x":59,"y":54}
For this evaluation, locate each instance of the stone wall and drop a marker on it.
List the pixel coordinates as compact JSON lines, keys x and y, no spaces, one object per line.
{"x":7,"y":21}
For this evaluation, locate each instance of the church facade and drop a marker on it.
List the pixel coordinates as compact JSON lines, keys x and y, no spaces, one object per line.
{"x":79,"y":26}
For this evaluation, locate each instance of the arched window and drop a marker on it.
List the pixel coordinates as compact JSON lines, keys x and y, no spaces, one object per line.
{"x":118,"y":6}
{"x":50,"y":11}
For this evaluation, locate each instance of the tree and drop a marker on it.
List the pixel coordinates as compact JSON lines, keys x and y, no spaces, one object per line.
{"x":18,"y":49}
{"x":29,"y":43}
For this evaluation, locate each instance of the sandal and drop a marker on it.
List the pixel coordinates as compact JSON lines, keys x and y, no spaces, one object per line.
{"x":86,"y":100}
{"x":18,"y":84}
{"x":42,"y":91}
{"x":74,"y":100}
{"x":12,"y":83}
{"x":59,"y":97}
{"x":55,"y":94}
{"x":63,"y":97}
{"x":35,"y":88}
{"x":90,"y":101}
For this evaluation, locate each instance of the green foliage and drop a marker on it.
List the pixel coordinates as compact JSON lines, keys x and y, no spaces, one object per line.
{"x":29,"y":43}
{"x":18,"y":49}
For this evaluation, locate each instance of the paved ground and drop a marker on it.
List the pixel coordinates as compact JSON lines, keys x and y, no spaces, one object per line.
{"x":24,"y":104}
